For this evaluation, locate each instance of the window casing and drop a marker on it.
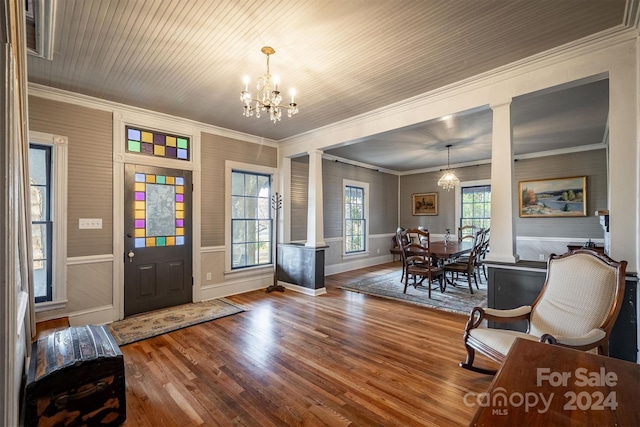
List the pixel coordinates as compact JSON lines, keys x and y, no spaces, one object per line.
{"x":41,"y":221}
{"x":356,"y":210}
{"x":475,"y":206}
{"x":48,"y":177}
{"x":251,"y":222}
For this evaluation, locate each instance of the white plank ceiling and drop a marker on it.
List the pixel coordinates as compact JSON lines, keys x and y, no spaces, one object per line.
{"x":187,"y":57}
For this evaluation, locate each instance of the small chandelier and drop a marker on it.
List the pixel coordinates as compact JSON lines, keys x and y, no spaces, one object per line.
{"x":449,"y":180}
{"x":268,"y":97}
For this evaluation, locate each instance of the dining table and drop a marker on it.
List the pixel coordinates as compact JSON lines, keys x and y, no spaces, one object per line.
{"x":442,"y":251}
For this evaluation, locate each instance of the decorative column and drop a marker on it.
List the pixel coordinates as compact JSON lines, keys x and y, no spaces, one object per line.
{"x":284,"y":174}
{"x":315,"y":215}
{"x":503,"y":244}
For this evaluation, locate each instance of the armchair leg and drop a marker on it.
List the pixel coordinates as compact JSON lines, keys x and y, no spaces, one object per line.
{"x":468,"y":364}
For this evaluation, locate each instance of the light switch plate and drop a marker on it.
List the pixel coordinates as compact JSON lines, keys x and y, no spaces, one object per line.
{"x":90,"y":223}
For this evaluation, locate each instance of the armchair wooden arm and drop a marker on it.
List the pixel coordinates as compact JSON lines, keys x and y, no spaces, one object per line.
{"x":592,"y":339}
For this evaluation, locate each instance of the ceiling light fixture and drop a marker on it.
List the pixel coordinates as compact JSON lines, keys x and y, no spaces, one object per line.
{"x":449,"y":180}
{"x":268,"y":97}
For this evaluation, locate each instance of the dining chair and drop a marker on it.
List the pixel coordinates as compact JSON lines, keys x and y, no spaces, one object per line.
{"x":417,"y":261}
{"x":401,"y":240}
{"x":465,"y":266}
{"x":467,"y":232}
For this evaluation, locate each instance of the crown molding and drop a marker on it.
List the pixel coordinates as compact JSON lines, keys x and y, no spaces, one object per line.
{"x":587,"y":45}
{"x":46,"y":92}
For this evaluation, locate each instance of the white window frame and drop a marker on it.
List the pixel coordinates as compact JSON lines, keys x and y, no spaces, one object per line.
{"x":59,"y":176}
{"x":365,"y":186}
{"x":230,"y":166}
{"x":477,"y":183}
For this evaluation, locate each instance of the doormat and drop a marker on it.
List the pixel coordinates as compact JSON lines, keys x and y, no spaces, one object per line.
{"x":455,"y":299}
{"x":158,"y":322}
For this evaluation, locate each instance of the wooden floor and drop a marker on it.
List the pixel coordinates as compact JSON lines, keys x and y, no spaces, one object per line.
{"x":293,"y":360}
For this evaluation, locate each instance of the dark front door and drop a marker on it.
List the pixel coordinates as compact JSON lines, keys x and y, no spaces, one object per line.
{"x":157,"y":238}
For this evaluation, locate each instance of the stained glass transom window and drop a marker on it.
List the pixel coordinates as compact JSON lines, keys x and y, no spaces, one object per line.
{"x":158,"y":144}
{"x":159,"y":210}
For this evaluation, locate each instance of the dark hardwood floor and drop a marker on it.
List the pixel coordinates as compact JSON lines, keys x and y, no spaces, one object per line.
{"x":293,"y":360}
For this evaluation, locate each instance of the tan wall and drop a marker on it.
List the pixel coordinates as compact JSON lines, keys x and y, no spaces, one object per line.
{"x":215,"y":151}
{"x":90,"y":178}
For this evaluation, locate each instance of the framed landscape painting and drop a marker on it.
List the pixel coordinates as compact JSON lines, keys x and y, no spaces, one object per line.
{"x":425,"y":203}
{"x":558,"y":197}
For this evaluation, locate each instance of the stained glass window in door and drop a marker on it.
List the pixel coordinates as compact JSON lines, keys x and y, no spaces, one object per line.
{"x":159,"y":210}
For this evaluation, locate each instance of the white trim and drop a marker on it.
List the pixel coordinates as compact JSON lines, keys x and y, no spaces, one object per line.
{"x":44,"y":16}
{"x":23,"y":303}
{"x":458,"y":198}
{"x":248,"y":271}
{"x":234,"y":287}
{"x":59,"y":176}
{"x":303,"y":290}
{"x":50,"y":305}
{"x":211,"y":249}
{"x":90,"y":259}
{"x":542,"y":268}
{"x":366,"y":196}
{"x":229,"y":166}
{"x":94,"y":316}
{"x":333,"y":158}
{"x":403,"y":113}
{"x":153,"y":121}
{"x":60,"y":95}
{"x":556,"y":239}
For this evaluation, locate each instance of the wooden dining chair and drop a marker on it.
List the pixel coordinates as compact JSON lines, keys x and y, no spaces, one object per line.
{"x":467,"y":232}
{"x":464,"y":266}
{"x":417,"y":261}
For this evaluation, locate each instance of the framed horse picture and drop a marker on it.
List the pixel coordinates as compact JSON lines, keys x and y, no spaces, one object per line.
{"x":425,"y":203}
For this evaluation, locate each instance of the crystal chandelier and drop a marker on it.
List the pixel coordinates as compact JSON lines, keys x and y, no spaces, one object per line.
{"x":449,"y":180}
{"x":268,"y":97}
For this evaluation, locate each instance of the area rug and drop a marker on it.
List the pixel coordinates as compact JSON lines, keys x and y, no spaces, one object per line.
{"x":455,"y":299}
{"x":170,"y":319}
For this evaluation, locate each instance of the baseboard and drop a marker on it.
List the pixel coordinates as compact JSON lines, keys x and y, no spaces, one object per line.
{"x":303,"y":290}
{"x":92,"y":316}
{"x":356,"y":264}
{"x":234,"y":287}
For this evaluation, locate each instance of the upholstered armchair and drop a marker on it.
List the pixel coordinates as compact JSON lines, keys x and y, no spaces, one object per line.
{"x":576,"y":308}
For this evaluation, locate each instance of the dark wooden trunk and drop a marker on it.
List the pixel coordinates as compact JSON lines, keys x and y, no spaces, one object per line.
{"x":76,"y":378}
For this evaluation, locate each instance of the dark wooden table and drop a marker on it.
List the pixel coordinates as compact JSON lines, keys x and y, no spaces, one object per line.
{"x":452,"y":249}
{"x":545,"y":385}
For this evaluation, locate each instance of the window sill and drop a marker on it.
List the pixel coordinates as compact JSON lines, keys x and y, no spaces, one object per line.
{"x":50,"y":305}
{"x":249,"y":271}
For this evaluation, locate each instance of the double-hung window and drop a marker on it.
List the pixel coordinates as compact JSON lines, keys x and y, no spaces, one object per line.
{"x":48,"y":193}
{"x":355,"y":216}
{"x":476,"y":206}
{"x":251,"y":223}
{"x":41,"y":221}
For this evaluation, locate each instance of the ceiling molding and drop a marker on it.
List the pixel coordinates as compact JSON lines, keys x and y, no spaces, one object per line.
{"x":358,"y":164}
{"x":560,"y":151}
{"x":44,"y":25}
{"x":87,"y":101}
{"x":406,"y":108}
{"x":632,"y":15}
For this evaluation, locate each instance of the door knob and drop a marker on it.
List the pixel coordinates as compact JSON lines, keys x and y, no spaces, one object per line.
{"x":131,"y":255}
